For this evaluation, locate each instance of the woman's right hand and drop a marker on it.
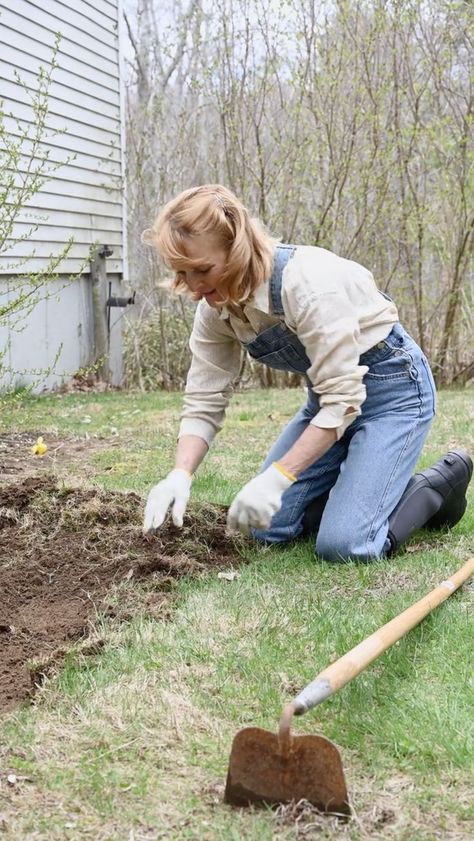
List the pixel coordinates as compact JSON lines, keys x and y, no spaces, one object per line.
{"x":173,"y":490}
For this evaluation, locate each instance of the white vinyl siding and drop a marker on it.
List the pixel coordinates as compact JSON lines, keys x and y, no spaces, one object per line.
{"x":82,"y":198}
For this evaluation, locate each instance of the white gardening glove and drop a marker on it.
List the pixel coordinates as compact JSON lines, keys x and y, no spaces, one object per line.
{"x":174,"y":489}
{"x":257,"y":502}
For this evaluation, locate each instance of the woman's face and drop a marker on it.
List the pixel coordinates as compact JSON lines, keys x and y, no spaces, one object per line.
{"x":205,"y":279}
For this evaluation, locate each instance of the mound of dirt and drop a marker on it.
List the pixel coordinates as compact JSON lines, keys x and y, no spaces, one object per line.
{"x":63,"y":553}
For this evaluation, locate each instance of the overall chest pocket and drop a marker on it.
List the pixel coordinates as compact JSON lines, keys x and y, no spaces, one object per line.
{"x":286,"y":358}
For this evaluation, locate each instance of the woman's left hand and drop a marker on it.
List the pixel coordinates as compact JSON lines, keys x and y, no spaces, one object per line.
{"x":257,"y":502}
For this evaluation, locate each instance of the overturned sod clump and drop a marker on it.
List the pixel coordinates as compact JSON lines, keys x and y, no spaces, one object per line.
{"x":69,"y":554}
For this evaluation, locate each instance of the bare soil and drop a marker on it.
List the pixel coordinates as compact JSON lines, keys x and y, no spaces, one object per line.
{"x":16,"y":459}
{"x":68,"y":554}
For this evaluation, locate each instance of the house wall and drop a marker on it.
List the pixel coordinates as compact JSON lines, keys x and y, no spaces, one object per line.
{"x":43,"y":348}
{"x":82,"y":198}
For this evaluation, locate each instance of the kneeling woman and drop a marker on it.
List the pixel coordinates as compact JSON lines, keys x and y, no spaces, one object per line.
{"x":342,"y":468}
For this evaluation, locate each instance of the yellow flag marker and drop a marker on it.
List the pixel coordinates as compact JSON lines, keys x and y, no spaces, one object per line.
{"x":39,"y":448}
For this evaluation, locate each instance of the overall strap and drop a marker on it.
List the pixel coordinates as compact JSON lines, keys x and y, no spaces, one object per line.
{"x":283,"y":254}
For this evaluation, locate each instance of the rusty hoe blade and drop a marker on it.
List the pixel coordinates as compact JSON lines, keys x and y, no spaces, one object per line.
{"x":275,"y":768}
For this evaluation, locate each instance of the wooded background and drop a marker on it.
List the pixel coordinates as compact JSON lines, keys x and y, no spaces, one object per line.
{"x":344,"y":124}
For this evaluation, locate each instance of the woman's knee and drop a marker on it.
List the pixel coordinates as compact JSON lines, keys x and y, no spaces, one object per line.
{"x":338,"y":547}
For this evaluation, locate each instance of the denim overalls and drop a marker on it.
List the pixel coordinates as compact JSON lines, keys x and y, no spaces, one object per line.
{"x":368,"y":469}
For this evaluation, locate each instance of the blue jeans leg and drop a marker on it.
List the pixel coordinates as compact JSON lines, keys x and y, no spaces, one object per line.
{"x":311,"y":483}
{"x":368,"y":469}
{"x":385,"y":444}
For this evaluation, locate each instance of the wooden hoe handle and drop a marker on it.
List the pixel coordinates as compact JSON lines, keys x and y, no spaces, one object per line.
{"x":357,"y":659}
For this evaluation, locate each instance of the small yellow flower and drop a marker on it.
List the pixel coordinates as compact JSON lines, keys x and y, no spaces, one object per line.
{"x":39,"y":448}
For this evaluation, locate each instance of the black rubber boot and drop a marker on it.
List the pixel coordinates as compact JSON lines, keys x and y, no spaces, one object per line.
{"x":313,"y":514}
{"x":433,"y":499}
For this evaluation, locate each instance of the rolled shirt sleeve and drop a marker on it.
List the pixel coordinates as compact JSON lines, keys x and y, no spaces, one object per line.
{"x":215,"y":365}
{"x":329,"y":332}
{"x":327,"y":309}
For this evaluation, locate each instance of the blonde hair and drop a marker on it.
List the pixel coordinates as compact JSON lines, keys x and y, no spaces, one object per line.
{"x":214,"y":209}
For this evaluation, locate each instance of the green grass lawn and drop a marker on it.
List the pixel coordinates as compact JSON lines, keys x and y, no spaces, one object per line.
{"x":133,"y":743}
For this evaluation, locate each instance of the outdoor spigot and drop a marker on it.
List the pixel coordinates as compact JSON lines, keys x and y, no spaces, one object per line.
{"x":116,"y":301}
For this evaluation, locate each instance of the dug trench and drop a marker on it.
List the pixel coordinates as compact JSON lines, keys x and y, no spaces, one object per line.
{"x":69,"y":555}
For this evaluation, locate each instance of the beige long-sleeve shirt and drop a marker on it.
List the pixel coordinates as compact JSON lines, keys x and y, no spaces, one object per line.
{"x":336,"y":311}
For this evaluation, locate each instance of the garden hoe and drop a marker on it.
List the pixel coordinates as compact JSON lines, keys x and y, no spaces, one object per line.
{"x":272,"y":768}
